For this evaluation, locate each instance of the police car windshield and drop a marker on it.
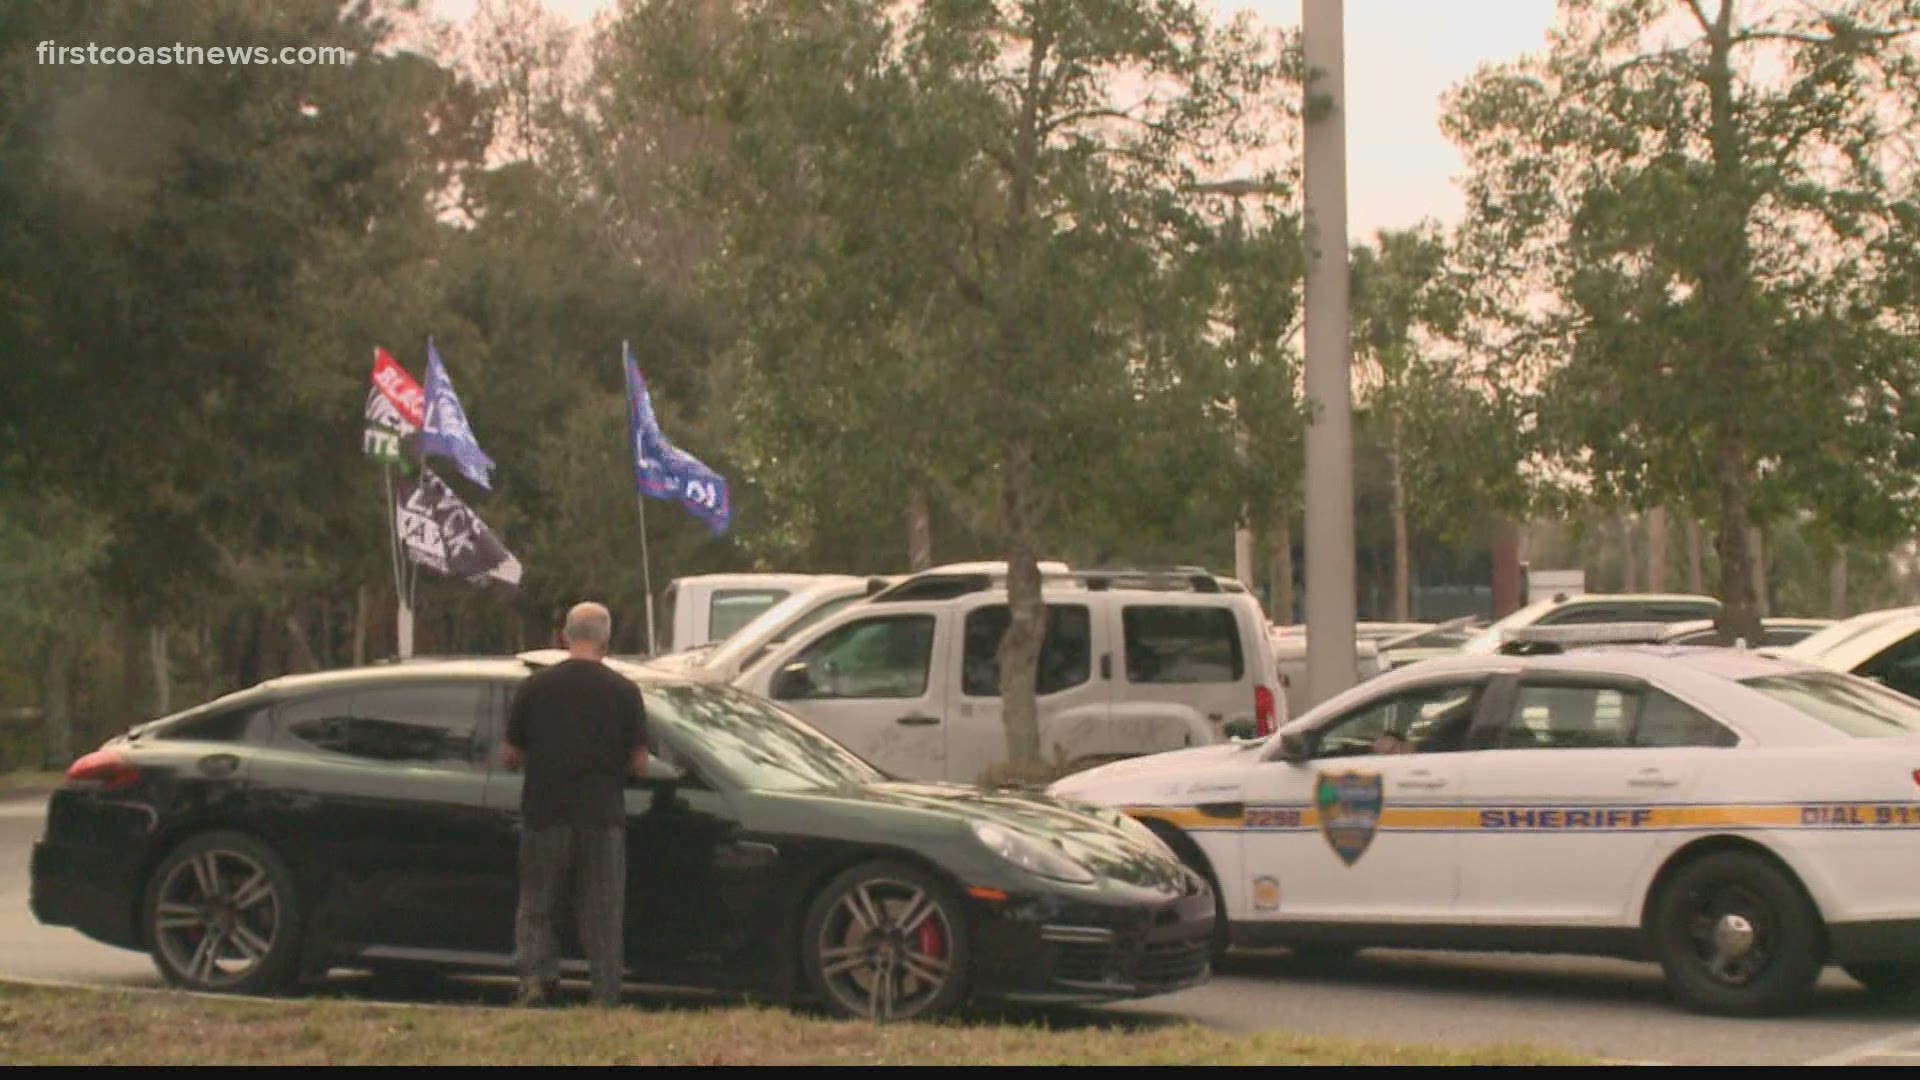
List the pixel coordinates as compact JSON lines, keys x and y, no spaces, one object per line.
{"x":1854,"y":706}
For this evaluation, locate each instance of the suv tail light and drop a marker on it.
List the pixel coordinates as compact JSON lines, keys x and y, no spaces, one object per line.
{"x":106,"y":769}
{"x":1265,"y":710}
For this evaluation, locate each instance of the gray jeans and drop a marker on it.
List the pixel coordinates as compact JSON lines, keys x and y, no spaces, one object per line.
{"x":590,"y":861}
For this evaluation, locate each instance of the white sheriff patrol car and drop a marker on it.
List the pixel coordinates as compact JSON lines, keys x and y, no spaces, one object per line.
{"x":1741,"y":819}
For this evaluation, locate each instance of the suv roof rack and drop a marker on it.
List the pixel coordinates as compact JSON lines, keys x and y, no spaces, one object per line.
{"x":938,"y":584}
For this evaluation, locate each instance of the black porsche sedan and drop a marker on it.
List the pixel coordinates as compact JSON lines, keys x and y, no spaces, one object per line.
{"x":359,"y":819}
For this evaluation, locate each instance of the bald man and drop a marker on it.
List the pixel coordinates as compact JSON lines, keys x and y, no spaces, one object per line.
{"x":579,"y":730}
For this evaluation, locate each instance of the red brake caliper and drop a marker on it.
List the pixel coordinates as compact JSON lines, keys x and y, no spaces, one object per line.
{"x":931,"y":942}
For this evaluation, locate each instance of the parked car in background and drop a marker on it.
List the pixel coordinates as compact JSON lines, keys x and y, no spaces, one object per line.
{"x":1290,"y":657}
{"x":1880,"y":645}
{"x":722,"y":661}
{"x":1133,"y":662}
{"x":1596,"y":608}
{"x":708,"y":607}
{"x":1741,"y":819}
{"x":1775,"y":632}
{"x":1424,"y":642}
{"x":360,"y":819}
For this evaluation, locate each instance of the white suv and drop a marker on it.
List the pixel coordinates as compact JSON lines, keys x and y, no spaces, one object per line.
{"x":1133,"y":663}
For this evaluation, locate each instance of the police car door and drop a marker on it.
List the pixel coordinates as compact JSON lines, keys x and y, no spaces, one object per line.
{"x":1359,"y":830}
{"x":1568,"y":791}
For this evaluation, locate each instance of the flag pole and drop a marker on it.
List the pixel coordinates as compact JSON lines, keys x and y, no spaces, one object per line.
{"x":403,"y":614}
{"x":640,"y":500}
{"x":646,"y":572}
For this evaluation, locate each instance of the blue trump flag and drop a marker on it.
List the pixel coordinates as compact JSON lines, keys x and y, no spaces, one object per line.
{"x":662,"y":470}
{"x":444,"y":430}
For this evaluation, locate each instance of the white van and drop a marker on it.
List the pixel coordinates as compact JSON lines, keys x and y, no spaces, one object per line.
{"x":722,"y":661}
{"x":709,"y":607}
{"x":1132,"y":664}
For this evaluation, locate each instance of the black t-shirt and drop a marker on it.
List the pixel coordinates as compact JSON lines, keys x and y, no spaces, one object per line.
{"x":578,"y":723}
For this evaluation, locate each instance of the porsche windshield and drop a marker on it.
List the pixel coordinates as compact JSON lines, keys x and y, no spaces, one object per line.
{"x":752,"y":742}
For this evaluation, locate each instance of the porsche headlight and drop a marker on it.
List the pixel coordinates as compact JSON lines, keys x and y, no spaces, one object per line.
{"x":1033,"y":856}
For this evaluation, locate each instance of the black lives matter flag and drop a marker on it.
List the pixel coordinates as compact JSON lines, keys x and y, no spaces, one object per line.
{"x":443,"y":534}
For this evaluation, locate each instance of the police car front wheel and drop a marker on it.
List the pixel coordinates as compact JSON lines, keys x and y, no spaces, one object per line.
{"x":1737,"y":936}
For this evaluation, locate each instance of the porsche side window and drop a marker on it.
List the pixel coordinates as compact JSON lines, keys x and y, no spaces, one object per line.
{"x":1431,"y":719}
{"x":322,"y":723}
{"x":1667,"y":721}
{"x":1545,"y":716}
{"x":417,"y":725}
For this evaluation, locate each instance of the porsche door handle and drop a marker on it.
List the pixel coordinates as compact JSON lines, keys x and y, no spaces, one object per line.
{"x":1421,"y":782}
{"x":917,"y":720}
{"x":1652,"y":778}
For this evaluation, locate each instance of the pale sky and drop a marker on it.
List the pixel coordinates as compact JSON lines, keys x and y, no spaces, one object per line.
{"x":1401,"y":56}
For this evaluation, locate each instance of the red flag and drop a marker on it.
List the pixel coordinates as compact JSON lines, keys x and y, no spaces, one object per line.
{"x":398,"y":387}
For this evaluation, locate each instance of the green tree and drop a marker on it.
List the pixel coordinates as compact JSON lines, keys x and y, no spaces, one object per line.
{"x":950,"y":228}
{"x":1697,"y":223}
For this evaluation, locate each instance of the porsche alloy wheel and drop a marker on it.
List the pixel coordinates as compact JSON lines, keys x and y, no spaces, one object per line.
{"x":886,"y":941}
{"x":221,"y":915}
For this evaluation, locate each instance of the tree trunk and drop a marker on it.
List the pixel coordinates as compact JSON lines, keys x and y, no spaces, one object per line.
{"x":1283,"y":599}
{"x":1837,"y":585}
{"x":919,"y":531}
{"x":299,"y":649}
{"x":1657,"y":549}
{"x":1725,"y":272}
{"x":1696,"y":579}
{"x":162,"y":674}
{"x":132,"y":700}
{"x":241,"y":654}
{"x":1243,"y":522}
{"x":1506,"y":567}
{"x":1762,"y":599}
{"x":56,"y":744}
{"x":1739,"y":611}
{"x":1019,"y":652}
{"x":324,"y":651}
{"x":360,"y":626}
{"x":208,"y":654}
{"x":1629,"y":560}
{"x":1402,"y":551}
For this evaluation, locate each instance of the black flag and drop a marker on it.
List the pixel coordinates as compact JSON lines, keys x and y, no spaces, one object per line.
{"x":443,"y":534}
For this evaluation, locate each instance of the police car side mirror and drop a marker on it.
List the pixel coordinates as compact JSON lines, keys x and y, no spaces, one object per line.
{"x":1294,"y":748}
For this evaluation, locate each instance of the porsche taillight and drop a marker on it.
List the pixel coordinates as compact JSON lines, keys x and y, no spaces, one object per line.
{"x":107,"y":770}
{"x":1266,"y":711}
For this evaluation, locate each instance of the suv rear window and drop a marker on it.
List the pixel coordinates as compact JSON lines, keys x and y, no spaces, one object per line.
{"x":1066,"y":652}
{"x":1182,"y":645}
{"x":1846,"y":704}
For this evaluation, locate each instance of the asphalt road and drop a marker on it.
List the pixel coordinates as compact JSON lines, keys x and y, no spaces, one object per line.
{"x":1610,"y":1008}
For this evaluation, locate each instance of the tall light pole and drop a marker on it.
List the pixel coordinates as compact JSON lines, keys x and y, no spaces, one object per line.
{"x":1329,"y":487}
